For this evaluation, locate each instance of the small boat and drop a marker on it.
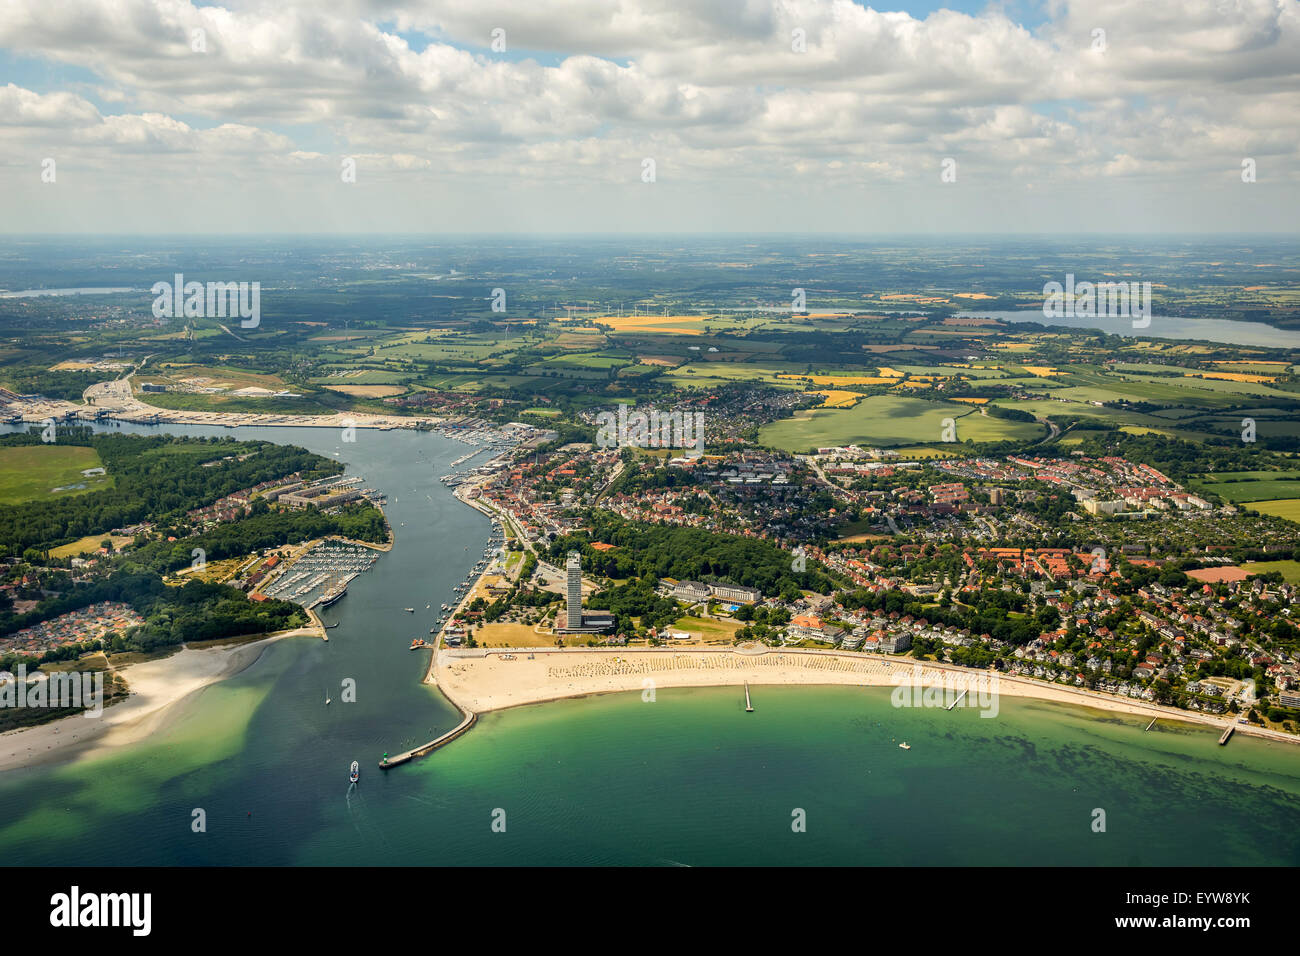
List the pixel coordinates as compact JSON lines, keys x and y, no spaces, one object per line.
{"x":327,"y":701}
{"x":418,"y":642}
{"x":905,"y":745}
{"x":409,"y":610}
{"x":355,"y":773}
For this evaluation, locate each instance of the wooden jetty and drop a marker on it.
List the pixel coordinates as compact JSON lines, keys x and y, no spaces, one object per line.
{"x":958,"y":700}
{"x":1153,"y":723}
{"x":1226,"y":734}
{"x":749,"y":707}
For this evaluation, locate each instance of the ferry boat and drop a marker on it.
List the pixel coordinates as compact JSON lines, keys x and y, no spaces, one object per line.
{"x":355,"y":773}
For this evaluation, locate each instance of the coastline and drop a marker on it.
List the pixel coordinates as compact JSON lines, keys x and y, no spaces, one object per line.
{"x":478,"y":681}
{"x":157,"y":688}
{"x":481,"y":681}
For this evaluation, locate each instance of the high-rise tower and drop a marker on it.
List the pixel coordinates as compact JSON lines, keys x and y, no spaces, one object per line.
{"x":574,"y":568}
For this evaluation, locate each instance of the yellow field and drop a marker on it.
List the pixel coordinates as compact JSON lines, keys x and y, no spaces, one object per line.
{"x":1042,"y":371}
{"x":837,"y":398}
{"x":90,"y":543}
{"x":1234,"y":377}
{"x":654,"y":323}
{"x":971,"y":401}
{"x":922,"y":451}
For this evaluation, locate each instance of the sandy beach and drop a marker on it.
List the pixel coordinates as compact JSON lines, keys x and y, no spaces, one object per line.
{"x":156,"y":688}
{"x":484,"y":681}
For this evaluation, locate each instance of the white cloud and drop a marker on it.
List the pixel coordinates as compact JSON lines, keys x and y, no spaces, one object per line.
{"x":710,"y":88}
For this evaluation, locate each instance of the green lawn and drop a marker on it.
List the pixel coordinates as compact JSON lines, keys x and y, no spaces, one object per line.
{"x":32,"y":472}
{"x":709,"y":630}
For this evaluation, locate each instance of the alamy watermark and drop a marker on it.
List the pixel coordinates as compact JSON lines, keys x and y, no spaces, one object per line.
{"x":650,"y":429}
{"x":1098,"y":299}
{"x":215,"y":300}
{"x":978,"y":690}
{"x":84,"y":689}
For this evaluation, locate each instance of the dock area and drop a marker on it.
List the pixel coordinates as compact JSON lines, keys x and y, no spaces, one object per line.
{"x":1226,"y":735}
{"x":749,"y":707}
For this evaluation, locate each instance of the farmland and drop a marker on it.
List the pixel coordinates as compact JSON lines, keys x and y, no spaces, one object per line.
{"x":890,"y":420}
{"x":1288,"y":508}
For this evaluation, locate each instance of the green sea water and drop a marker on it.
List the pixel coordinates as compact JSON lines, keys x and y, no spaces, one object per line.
{"x":688,"y":779}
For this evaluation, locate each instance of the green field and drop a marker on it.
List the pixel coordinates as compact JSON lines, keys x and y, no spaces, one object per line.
{"x":708,"y":629}
{"x":1290,"y":570}
{"x":1288,"y":508}
{"x":889,"y":420}
{"x":32,"y":472}
{"x":1251,"y":491}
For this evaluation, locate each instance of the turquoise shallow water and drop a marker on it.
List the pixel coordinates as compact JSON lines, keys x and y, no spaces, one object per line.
{"x":689,"y":779}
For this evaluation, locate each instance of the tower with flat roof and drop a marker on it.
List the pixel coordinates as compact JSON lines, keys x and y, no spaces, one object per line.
{"x":574,"y":590}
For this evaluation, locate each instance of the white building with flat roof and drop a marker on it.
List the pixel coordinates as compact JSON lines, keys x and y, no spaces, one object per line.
{"x":573,"y":567}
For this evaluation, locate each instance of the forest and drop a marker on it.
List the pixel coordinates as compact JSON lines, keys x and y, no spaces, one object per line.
{"x":691,"y":554}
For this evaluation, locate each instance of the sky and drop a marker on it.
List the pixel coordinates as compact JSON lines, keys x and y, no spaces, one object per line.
{"x":633,"y":116}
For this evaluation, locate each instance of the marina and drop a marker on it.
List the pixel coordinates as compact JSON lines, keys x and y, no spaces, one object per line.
{"x":321,"y":575}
